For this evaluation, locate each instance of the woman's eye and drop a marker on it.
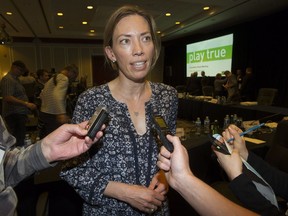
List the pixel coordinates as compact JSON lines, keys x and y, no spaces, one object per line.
{"x":124,"y":41}
{"x":147,"y":38}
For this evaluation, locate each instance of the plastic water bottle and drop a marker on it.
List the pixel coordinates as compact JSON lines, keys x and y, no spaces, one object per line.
{"x":235,"y":118}
{"x":27,"y":140}
{"x":198,"y":126}
{"x":226,"y":122}
{"x":216,"y":129}
{"x":37,"y":139}
{"x":232,"y":119}
{"x":206,"y":125}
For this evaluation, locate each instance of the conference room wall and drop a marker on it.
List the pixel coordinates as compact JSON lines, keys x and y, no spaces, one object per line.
{"x":50,"y":57}
{"x":261,"y":44}
{"x":58,"y":55}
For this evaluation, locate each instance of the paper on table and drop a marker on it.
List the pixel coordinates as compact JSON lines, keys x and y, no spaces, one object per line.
{"x":255,"y":141}
{"x":271,"y":124}
{"x":249,"y":103}
{"x":180,"y":132}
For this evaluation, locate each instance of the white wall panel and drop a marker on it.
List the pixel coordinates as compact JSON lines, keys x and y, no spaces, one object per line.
{"x":86,"y":68}
{"x":5,"y":60}
{"x":45,"y":58}
{"x":25,"y":53}
{"x":73,"y":56}
{"x":59,"y":58}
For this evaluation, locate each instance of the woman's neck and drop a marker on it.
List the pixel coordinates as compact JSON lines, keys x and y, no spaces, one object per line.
{"x":129,"y":91}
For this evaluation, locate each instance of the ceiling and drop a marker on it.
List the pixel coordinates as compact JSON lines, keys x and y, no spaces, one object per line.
{"x":38,"y":18}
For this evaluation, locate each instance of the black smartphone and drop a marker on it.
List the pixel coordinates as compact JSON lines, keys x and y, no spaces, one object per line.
{"x":218,"y":145}
{"x":95,"y":123}
{"x":162,"y":130}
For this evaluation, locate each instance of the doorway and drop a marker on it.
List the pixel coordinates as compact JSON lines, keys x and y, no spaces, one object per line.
{"x":101,"y":71}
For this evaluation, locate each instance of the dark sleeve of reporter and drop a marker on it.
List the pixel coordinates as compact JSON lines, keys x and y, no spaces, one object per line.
{"x":248,"y":195}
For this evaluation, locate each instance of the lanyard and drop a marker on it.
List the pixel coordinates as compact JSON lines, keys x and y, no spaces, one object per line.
{"x":150,"y":148}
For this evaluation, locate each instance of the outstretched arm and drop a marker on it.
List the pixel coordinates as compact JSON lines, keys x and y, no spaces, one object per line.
{"x":67,"y":141}
{"x":204,"y":199}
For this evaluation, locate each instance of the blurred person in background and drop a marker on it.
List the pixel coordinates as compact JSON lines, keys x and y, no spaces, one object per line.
{"x":53,"y":112}
{"x":42,"y":77}
{"x":193,"y":86}
{"x":232,"y":88}
{"x":218,"y":85}
{"x":15,"y":103}
{"x":239,"y":77}
{"x":28,"y":81}
{"x":249,"y":86}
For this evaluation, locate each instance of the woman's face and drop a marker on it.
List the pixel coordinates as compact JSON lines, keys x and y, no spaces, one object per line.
{"x":133,"y":47}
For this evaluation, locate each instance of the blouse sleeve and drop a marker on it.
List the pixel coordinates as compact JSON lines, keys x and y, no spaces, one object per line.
{"x":88,"y":180}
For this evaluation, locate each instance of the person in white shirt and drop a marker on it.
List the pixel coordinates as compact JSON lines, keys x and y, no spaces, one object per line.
{"x":53,"y":100}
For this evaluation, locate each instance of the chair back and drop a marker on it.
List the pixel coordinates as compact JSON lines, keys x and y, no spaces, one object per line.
{"x":208,"y":90}
{"x":277,"y":155}
{"x":180,"y":88}
{"x":266,"y":96}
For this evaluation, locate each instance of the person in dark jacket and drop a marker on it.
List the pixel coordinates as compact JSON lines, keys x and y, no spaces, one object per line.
{"x":193,"y":86}
{"x":248,"y":86}
{"x":242,"y":184}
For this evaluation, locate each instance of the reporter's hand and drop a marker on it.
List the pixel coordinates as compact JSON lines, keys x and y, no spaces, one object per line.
{"x":232,"y":164}
{"x":67,"y":141}
{"x":238,"y":143}
{"x":175,"y":164}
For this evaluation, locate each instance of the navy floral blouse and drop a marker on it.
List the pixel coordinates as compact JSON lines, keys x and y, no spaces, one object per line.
{"x":122,"y":155}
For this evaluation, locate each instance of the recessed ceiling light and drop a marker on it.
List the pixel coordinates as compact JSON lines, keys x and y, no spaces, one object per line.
{"x":84,"y":23}
{"x":60,"y":14}
{"x":89,"y":7}
{"x":206,"y":8}
{"x":92,"y":30}
{"x":9,"y":13}
{"x":168,"y":14}
{"x":177,"y":23}
{"x":61,"y":27}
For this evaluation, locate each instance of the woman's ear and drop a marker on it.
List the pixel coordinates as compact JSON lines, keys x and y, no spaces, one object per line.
{"x":109,"y":52}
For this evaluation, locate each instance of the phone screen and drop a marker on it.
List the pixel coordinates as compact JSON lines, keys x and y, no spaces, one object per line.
{"x":161,"y":122}
{"x":219,"y":146}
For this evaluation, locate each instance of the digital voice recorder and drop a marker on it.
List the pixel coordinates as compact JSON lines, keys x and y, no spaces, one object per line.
{"x":95,"y":123}
{"x":162,"y":130}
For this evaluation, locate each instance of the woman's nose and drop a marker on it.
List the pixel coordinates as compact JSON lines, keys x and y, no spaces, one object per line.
{"x":138,"y":50}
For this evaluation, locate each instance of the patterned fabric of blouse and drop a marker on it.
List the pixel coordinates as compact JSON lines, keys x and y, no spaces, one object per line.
{"x":122,"y":155}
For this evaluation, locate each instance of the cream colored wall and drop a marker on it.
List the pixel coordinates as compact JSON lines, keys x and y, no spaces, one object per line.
{"x":39,"y":55}
{"x":49,"y":56}
{"x":156,"y":75}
